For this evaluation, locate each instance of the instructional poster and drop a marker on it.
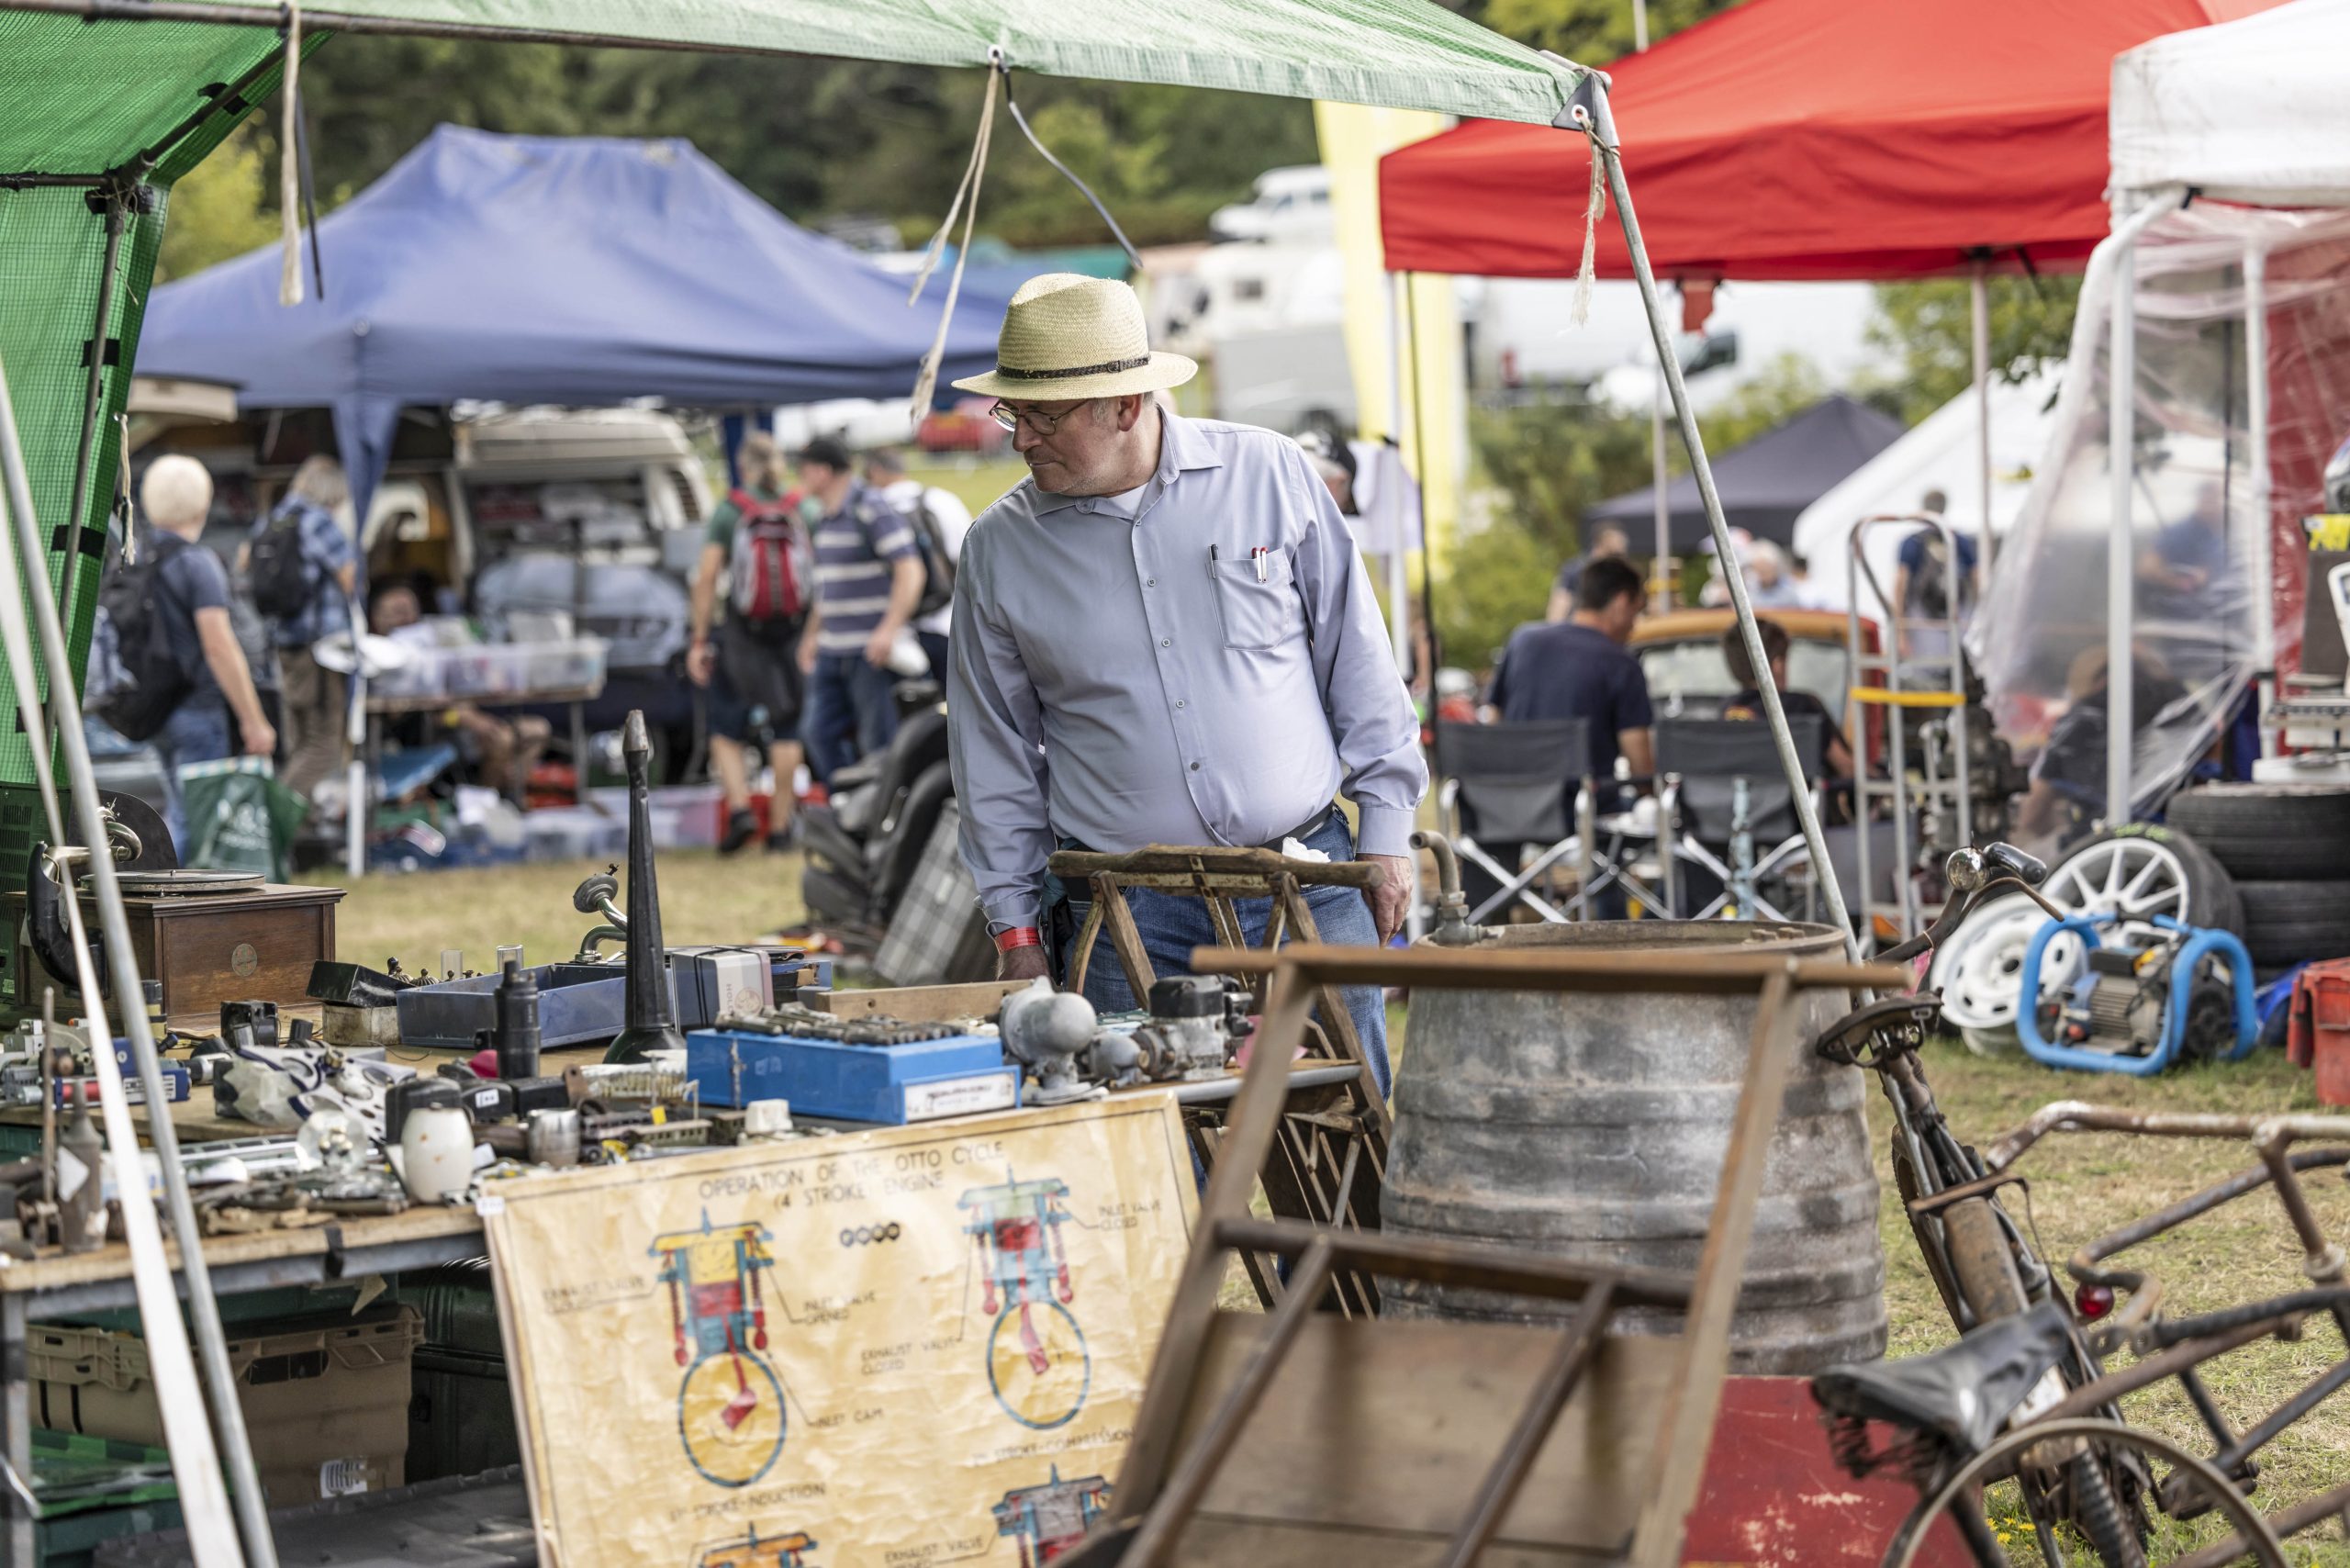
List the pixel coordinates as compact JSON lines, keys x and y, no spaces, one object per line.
{"x":897,"y":1349}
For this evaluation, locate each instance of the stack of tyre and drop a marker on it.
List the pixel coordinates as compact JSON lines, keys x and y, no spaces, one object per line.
{"x":2287,"y":847}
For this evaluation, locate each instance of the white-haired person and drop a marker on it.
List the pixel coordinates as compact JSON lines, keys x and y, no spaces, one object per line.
{"x":318,"y":606}
{"x":221,"y":715}
{"x":1164,"y":634}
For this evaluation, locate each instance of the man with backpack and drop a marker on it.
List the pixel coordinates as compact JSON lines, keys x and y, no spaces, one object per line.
{"x":1924,"y":583}
{"x":869,"y":582}
{"x":755,"y":543}
{"x":177,"y":676}
{"x":302,"y":569}
{"x":940,"y":520}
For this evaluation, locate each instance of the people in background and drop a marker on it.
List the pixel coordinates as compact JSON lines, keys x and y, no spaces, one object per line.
{"x":307,"y":611}
{"x":1746,"y":701}
{"x":1605,"y":539}
{"x":1580,"y":669}
{"x":757,"y":544}
{"x":937,"y":509}
{"x":2183,"y":575}
{"x":503,"y":748}
{"x":191,"y":597}
{"x":2067,"y":793}
{"x":869,"y":579}
{"x":1770,"y":585}
{"x":1926,"y":585}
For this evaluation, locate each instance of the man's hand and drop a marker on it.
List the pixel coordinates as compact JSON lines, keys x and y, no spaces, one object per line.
{"x":1022,"y":963}
{"x":701,"y":659}
{"x":878,"y":647}
{"x":808,"y":654}
{"x":259,"y":739}
{"x":1392,"y":900}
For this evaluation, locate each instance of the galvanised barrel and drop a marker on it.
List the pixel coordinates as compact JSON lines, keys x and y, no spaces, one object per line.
{"x":1593,"y":1127}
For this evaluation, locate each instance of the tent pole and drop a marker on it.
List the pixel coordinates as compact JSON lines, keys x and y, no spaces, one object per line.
{"x":1657,"y":479}
{"x":2264,"y":567}
{"x":1979,"y":298}
{"x":203,"y":1307}
{"x":93,"y":397}
{"x":2120,"y":551}
{"x":1590,"y":114}
{"x":1399,"y":611}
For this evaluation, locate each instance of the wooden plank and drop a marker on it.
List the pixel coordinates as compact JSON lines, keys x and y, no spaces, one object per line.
{"x":1394,"y":1425}
{"x":1126,"y":938}
{"x":920,"y":1003}
{"x":1687,"y":1426}
{"x":1175,"y":860}
{"x":1711,"y":970}
{"x":112,"y":1262}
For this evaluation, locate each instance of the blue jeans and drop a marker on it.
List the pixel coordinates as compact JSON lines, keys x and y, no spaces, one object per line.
{"x":1171,"y":926}
{"x":852,"y":713}
{"x":197,"y":732}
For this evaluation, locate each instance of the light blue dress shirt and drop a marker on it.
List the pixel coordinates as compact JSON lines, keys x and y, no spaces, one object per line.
{"x":1122,"y":675}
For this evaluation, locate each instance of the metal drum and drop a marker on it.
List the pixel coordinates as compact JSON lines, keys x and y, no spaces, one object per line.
{"x":1593,"y":1126}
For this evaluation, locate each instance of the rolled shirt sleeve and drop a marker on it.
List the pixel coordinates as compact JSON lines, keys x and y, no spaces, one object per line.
{"x":1372,"y":720}
{"x":995,"y":726}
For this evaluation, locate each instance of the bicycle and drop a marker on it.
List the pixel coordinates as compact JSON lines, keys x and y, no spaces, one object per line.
{"x":1952,"y":1444}
{"x":1982,"y":1266}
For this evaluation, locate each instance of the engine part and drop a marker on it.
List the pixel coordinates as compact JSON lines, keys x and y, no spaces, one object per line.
{"x":552,"y":1138}
{"x":1193,"y":1021}
{"x":650,"y":1083}
{"x":437,"y":1150}
{"x":540,"y":1095}
{"x":650,"y":1008}
{"x":82,"y":1217}
{"x":807,"y":1023}
{"x":1046,"y":1031}
{"x":249,"y":1023}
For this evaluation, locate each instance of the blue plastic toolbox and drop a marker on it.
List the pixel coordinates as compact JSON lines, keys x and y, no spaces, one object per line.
{"x":917,"y":1082}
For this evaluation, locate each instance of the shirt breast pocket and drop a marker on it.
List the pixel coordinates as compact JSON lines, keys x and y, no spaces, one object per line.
{"x":1258,"y":615}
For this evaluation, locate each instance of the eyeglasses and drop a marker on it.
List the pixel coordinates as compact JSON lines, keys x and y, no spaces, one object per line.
{"x":1044,"y":424}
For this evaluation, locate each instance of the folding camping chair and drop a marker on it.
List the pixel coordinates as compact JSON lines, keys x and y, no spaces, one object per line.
{"x":1294,"y":1438}
{"x":1506,"y":785}
{"x":1724,"y":784}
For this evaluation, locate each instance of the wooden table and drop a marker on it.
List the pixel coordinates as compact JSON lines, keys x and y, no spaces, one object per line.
{"x":101,"y":1281}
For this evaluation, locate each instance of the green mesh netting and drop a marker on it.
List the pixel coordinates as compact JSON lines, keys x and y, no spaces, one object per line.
{"x":82,"y":99}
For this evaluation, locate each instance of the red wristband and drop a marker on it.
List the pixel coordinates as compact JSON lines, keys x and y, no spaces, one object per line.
{"x":1018,"y":937}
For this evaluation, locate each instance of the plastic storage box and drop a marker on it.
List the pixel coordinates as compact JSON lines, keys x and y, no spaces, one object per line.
{"x":326,"y":1405}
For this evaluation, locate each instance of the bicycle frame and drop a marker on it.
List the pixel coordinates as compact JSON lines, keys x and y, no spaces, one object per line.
{"x":2177,"y":1347}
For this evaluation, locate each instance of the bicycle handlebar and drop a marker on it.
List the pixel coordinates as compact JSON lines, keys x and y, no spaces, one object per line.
{"x":1974,"y":876}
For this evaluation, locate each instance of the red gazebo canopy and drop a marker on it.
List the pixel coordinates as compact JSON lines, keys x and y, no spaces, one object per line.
{"x":1809,"y":139}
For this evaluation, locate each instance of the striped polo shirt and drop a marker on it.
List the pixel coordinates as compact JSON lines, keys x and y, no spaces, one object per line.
{"x":856,"y":547}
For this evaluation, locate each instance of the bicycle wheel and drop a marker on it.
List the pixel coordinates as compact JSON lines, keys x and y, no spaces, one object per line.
{"x":1963,"y":1489}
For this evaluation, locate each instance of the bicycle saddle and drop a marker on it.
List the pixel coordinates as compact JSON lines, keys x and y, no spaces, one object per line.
{"x":1851,"y":1039}
{"x":1963,"y":1393}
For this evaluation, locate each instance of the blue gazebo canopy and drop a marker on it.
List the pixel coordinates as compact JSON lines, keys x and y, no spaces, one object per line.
{"x":580,"y":271}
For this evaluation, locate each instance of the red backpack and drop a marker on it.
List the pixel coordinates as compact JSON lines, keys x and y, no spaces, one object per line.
{"x":768,"y":572}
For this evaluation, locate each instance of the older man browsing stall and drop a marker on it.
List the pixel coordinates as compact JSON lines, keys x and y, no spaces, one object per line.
{"x":1163,"y":635}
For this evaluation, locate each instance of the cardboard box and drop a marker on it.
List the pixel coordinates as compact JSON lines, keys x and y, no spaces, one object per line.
{"x":326,"y":1403}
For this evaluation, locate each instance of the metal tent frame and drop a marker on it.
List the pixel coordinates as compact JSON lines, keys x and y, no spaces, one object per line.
{"x":1587,"y":113}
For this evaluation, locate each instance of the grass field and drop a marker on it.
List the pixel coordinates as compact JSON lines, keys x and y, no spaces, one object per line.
{"x":2080,"y":1186}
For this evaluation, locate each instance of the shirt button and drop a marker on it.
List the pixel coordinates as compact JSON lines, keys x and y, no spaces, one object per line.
{"x":1150,"y":582}
{"x":1179,"y":703}
{"x":1166,"y":641}
{"x":1195,"y":767}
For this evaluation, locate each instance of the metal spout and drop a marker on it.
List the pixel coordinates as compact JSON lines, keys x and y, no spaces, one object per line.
{"x":1453,"y":928}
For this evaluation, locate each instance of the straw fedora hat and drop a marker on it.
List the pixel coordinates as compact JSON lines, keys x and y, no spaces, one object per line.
{"x":1066,"y":335}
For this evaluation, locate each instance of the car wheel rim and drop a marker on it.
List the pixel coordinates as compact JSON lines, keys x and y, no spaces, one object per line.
{"x":1979,"y":970}
{"x":2133,"y":879}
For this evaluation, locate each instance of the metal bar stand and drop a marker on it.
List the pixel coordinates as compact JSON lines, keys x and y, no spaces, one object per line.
{"x":1937,"y":784}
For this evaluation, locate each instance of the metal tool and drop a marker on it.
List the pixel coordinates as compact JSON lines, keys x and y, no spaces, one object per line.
{"x":652,"y":1011}
{"x":518,"y":1023}
{"x":807,"y":1023}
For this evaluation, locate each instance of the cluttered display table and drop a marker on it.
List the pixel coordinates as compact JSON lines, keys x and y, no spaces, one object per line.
{"x":794,"y":1258}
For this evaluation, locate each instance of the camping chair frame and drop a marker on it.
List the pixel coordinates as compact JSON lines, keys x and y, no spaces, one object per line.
{"x":1330,"y":1162}
{"x":1167,"y":1477}
{"x":1677,"y":843}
